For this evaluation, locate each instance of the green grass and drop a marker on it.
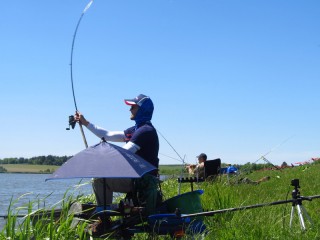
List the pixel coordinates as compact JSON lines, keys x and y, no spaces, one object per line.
{"x":170,"y":170}
{"x":28,"y":168}
{"x":269,"y":222}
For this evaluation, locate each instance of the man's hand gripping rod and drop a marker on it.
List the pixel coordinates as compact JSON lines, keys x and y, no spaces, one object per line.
{"x":72,"y":124}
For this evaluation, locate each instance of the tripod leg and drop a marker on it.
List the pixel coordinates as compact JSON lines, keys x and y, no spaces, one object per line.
{"x":291,"y":216}
{"x":303,"y":226}
{"x":305,"y":213}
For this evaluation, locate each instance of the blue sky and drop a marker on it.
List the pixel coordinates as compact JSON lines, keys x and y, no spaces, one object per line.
{"x":233,"y":79}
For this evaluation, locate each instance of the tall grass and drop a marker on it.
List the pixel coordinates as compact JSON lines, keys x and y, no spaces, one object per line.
{"x":269,"y":222}
{"x":41,"y":223}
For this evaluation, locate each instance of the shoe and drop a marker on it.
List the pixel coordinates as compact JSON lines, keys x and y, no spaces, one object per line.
{"x":99,"y":227}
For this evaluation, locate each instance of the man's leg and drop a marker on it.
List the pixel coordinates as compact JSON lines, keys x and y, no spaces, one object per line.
{"x":123,"y":185}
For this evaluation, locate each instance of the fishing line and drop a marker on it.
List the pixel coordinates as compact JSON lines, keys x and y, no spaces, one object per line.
{"x":170,"y":157}
{"x":182,"y":160}
{"x":171,"y":146}
{"x":263,"y":156}
{"x":275,"y":147}
{"x":71,"y":119}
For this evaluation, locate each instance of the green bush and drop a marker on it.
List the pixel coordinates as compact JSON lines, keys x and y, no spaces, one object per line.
{"x":2,"y":169}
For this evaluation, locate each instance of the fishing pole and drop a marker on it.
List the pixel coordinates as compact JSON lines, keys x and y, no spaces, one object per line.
{"x":17,"y":216}
{"x":170,"y":157}
{"x":296,"y":200}
{"x":71,"y":118}
{"x":182,"y":159}
{"x":263,"y":156}
{"x":211,"y":213}
{"x":171,"y":146}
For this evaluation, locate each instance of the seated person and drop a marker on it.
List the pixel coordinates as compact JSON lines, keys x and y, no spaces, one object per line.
{"x":197,"y":169}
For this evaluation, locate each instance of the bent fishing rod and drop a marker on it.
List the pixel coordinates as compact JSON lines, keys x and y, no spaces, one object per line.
{"x":72,"y":121}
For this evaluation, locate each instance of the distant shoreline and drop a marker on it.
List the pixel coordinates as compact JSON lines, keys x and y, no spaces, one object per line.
{"x":24,"y":173}
{"x":28,"y":168}
{"x":47,"y":169}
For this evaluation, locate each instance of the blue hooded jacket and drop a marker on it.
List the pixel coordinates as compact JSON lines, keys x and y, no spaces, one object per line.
{"x":144,"y":134}
{"x":144,"y":113}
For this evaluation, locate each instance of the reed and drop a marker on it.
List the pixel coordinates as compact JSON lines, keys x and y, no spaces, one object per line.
{"x":43,"y":223}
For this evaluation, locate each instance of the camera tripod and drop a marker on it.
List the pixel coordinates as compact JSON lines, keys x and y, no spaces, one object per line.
{"x":297,"y":203}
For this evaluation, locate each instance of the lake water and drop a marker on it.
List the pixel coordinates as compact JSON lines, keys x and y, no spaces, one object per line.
{"x":25,"y":188}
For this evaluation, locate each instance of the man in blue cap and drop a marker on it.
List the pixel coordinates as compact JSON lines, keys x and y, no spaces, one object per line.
{"x":198,"y":169}
{"x":141,"y":139}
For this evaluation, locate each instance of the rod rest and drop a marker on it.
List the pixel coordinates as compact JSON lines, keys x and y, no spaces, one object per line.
{"x":190,"y":180}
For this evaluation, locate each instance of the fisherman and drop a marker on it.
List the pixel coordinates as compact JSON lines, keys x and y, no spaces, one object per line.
{"x":198,"y":169}
{"x":141,"y":139}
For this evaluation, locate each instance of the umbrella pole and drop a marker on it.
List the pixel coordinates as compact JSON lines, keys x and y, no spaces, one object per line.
{"x":104,"y":205}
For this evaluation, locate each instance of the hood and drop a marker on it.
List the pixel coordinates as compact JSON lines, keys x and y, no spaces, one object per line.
{"x":145,"y":112}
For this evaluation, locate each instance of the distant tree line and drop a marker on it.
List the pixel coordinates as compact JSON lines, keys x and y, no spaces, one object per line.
{"x":58,"y":161}
{"x":40,"y":160}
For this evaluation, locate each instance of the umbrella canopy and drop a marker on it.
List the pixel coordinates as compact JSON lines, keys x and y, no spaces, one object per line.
{"x":103,"y":160}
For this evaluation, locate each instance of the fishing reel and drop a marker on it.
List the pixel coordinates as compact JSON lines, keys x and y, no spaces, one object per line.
{"x":72,"y":122}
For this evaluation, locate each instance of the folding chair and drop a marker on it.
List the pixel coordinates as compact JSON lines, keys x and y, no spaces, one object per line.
{"x":212,"y":168}
{"x":211,"y":171}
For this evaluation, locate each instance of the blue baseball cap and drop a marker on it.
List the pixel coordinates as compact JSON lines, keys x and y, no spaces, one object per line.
{"x":137,"y":100}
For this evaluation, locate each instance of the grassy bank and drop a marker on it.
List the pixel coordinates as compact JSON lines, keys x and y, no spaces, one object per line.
{"x":27,"y":168}
{"x":170,"y":169}
{"x":270,"y":222}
